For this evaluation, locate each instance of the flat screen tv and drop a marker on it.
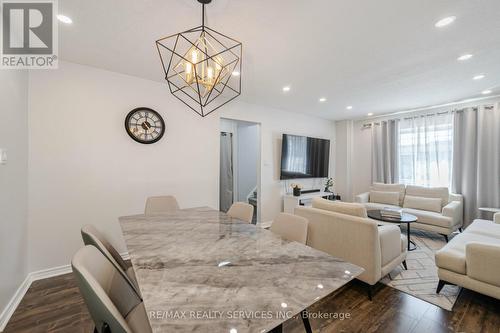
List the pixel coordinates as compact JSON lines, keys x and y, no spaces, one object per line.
{"x":304,"y":157}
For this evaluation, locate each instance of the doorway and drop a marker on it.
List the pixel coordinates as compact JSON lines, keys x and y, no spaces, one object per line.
{"x":240,"y":164}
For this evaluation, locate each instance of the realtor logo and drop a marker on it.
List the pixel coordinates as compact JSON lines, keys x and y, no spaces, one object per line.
{"x":29,"y":34}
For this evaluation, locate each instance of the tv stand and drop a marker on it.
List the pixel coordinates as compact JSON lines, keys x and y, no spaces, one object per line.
{"x":290,"y":202}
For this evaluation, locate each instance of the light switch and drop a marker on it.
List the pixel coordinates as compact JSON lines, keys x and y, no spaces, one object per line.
{"x":3,"y":156}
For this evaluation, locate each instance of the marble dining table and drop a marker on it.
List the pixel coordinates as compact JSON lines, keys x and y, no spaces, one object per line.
{"x":200,"y":270}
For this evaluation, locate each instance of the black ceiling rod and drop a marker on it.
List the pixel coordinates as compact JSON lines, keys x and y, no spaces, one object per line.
{"x":203,"y":3}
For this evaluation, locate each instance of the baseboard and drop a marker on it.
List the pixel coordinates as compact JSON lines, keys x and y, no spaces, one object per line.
{"x":50,"y":272}
{"x":9,"y":309}
{"x":14,"y":302}
{"x":23,"y":288}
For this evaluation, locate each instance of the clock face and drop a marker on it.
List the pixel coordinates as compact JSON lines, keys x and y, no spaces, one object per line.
{"x":145,"y":125}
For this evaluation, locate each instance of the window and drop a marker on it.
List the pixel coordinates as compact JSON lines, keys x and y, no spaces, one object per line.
{"x":425,"y":150}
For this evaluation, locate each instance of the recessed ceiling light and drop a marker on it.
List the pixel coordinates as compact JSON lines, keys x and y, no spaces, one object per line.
{"x":64,"y":19}
{"x":465,"y":57}
{"x":286,"y":89}
{"x":284,"y":305}
{"x":322,"y":99}
{"x":479,"y":77}
{"x":236,"y":73}
{"x":445,"y":21}
{"x":233,"y":330}
{"x":486,"y":92}
{"x":370,"y":114}
{"x":349,"y":107}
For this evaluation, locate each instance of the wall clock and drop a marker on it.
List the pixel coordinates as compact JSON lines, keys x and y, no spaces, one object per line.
{"x":144,"y":125}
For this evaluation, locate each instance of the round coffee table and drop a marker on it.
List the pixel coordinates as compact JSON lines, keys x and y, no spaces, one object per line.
{"x":405,"y":218}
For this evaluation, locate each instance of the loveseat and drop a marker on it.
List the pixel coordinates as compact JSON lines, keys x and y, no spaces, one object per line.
{"x":472,"y":258}
{"x":437,"y":210}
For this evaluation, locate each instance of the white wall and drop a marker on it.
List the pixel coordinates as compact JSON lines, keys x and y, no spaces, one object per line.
{"x":13,"y":182}
{"x":85,"y":169}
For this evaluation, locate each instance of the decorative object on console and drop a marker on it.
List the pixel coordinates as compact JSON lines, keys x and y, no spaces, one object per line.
{"x":202,"y":66}
{"x":144,"y":125}
{"x":328,"y":184}
{"x":297,"y":188}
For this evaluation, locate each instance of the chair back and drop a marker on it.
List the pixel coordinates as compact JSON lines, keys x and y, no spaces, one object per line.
{"x":161,"y":205}
{"x":241,"y":211}
{"x":108,"y":296}
{"x":290,"y":227}
{"x":91,"y":236}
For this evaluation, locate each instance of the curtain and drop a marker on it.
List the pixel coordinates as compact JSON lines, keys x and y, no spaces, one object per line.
{"x":476,"y":158}
{"x":226,"y":171}
{"x":385,"y":152}
{"x":426,"y":150}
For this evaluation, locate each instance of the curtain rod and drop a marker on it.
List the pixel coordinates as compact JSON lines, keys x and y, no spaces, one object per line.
{"x":369,"y":125}
{"x":463,"y":102}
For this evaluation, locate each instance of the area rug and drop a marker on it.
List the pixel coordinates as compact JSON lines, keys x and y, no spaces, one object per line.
{"x":421,"y":279}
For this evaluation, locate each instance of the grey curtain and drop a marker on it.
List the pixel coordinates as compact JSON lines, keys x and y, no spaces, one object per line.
{"x":226,"y":171}
{"x":385,"y":152}
{"x":476,"y":158}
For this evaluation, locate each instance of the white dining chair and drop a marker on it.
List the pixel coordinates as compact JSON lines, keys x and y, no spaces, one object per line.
{"x":112,"y":303}
{"x":241,"y":211}
{"x":161,"y":205}
{"x":290,"y":227}
{"x":92,"y":236}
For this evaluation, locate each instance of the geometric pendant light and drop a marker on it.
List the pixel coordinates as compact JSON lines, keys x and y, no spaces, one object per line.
{"x":202,"y":66}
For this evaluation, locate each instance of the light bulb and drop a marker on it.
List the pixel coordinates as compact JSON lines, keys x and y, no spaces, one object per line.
{"x":194,"y":57}
{"x":210,"y":72}
{"x":189,"y":68}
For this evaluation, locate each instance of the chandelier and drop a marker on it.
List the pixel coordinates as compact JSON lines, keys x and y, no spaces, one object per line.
{"x":202,"y":66}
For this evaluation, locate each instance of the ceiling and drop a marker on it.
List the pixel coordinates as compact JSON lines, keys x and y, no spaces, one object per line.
{"x":378,"y":56}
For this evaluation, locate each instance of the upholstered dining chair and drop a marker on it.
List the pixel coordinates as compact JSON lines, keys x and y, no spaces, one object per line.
{"x":113,"y":305}
{"x":160,"y":205}
{"x":91,"y":236}
{"x":290,"y":227}
{"x":241,"y":211}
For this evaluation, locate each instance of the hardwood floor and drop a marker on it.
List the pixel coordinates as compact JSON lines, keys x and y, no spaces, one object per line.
{"x":55,"y":305}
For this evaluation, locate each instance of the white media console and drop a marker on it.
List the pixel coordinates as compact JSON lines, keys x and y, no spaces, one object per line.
{"x":290,"y":202}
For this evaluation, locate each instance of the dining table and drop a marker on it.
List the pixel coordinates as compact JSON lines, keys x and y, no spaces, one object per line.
{"x":200,"y":270}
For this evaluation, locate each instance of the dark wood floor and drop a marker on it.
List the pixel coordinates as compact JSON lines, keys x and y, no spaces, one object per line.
{"x":55,"y":305}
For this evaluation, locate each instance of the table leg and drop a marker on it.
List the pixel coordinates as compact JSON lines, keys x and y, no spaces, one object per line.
{"x":409,"y":239}
{"x":305,"y":320}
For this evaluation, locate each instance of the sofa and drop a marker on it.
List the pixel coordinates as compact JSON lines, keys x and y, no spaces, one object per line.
{"x":437,"y":210}
{"x":472,"y":258}
{"x":343,"y":230}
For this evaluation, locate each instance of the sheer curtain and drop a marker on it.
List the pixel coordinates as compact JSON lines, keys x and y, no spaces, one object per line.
{"x":426,"y":150}
{"x":476,"y":158}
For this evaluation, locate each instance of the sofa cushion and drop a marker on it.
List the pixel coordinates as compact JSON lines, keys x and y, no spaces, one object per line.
{"x":347,"y":208}
{"x":374,"y":205}
{"x":452,"y":255}
{"x":391,"y":198}
{"x":390,"y":188}
{"x":485,"y":228}
{"x":431,"y":218}
{"x":428,"y":204}
{"x":429,"y":192}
